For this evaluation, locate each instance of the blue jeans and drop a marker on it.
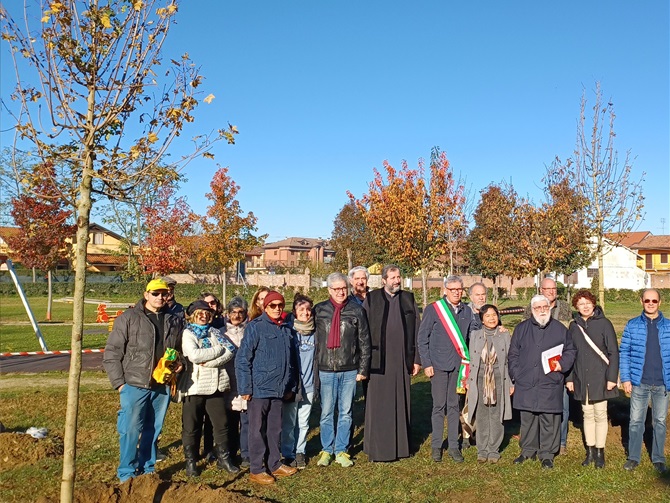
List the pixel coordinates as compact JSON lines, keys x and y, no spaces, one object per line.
{"x":295,"y":425}
{"x":337,"y":388}
{"x":140,"y":419}
{"x":639,"y":400}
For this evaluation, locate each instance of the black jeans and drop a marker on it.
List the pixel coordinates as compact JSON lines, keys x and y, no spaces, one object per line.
{"x":193,"y":414}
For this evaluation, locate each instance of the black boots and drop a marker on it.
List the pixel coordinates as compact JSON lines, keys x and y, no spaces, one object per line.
{"x":600,"y":458}
{"x":594,"y":455}
{"x":590,"y":455}
{"x":223,"y":461}
{"x":191,"y":455}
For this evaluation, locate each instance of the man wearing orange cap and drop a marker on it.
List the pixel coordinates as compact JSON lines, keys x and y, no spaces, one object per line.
{"x":137,"y":342}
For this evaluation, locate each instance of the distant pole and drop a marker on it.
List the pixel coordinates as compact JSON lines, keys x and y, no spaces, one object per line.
{"x":31,"y":316}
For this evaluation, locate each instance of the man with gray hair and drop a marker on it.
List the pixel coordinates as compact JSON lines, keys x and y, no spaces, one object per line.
{"x":358,"y":277}
{"x":477,"y":294}
{"x":443,"y":347}
{"x":342,"y":358}
{"x":540,"y":355}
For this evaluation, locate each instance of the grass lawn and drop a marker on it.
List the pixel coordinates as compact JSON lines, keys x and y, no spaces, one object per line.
{"x":40,"y":401}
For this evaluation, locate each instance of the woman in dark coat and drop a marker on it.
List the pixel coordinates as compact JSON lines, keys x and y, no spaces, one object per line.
{"x":594,"y":375}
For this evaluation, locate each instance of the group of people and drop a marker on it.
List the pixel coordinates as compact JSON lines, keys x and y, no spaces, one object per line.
{"x":250,"y":377}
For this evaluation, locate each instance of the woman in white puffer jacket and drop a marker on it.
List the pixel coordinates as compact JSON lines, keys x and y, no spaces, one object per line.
{"x":207,"y":352}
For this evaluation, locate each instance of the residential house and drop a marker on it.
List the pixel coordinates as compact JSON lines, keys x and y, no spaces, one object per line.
{"x":295,"y":251}
{"x":653,"y":252}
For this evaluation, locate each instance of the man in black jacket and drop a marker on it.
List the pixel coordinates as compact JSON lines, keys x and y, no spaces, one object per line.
{"x":394,"y":322}
{"x":138,"y":341}
{"x":342,"y":357}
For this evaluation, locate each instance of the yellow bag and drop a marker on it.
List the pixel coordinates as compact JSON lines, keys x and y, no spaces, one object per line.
{"x":162,"y":374}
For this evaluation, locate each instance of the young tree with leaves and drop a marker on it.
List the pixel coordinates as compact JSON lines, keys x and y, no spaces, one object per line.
{"x":614,"y":200}
{"x":352,"y":241}
{"x":45,"y":229}
{"x":227,"y":232}
{"x":89,"y":98}
{"x":410,"y":221}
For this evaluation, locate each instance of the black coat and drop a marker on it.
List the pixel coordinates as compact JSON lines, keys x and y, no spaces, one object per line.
{"x":590,"y":372}
{"x":534,"y":390}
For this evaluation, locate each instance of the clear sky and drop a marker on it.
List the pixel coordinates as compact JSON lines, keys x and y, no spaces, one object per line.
{"x":323,"y":92}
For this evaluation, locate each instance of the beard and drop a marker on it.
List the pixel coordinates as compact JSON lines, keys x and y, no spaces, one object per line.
{"x":392,"y":288}
{"x":477,"y":306}
{"x":542,"y":319}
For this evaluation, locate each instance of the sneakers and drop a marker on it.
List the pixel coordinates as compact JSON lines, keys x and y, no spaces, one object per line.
{"x":436,"y":454}
{"x":324,"y":458}
{"x":344,"y":460}
{"x":630,"y":465}
{"x":547,"y":464}
{"x":300,"y":461}
{"x":160,"y":456}
{"x":660,"y":467}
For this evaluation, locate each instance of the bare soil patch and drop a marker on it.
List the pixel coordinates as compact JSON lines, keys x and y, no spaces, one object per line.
{"x":19,"y":449}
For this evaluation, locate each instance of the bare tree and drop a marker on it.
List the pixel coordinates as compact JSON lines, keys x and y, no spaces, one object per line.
{"x":89,"y":99}
{"x":613,"y":195}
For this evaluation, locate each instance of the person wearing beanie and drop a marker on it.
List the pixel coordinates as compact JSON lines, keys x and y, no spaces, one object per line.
{"x":137,"y":342}
{"x":266,"y":370}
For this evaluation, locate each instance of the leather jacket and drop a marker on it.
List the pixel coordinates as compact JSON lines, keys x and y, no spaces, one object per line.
{"x":129,"y":353}
{"x":355,"y":347}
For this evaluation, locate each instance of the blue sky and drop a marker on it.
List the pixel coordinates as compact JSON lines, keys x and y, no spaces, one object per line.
{"x":323,"y":92}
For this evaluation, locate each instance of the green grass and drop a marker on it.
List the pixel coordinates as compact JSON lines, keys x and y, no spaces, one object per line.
{"x":28,"y":403}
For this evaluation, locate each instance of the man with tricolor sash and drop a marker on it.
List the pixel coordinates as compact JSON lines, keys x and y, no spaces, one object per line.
{"x":443,"y":348}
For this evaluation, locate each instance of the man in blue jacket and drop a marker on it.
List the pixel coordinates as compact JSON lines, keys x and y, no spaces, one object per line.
{"x":644,"y":367}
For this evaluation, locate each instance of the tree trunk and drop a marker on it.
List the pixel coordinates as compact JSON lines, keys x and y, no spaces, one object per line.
{"x":601,"y":276}
{"x":49,"y":295}
{"x":72,"y":409}
{"x":223,"y":288}
{"x":424,"y":286}
{"x":34,"y":278}
{"x":350,"y":260}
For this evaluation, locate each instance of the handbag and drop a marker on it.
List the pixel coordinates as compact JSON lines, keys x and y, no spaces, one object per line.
{"x":178,"y":386}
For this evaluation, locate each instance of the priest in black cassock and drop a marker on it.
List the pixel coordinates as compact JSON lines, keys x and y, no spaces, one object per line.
{"x":393,"y":317}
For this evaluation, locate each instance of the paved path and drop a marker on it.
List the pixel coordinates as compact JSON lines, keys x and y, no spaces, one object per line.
{"x":44,"y":363}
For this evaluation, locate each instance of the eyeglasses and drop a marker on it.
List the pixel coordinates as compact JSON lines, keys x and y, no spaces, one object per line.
{"x":237,"y":313}
{"x":584,"y":304}
{"x":212,"y":302}
{"x":276,"y":305}
{"x":540,"y":308}
{"x":650,"y":301}
{"x":159,"y":294}
{"x":550,"y":289}
{"x":341,"y":289}
{"x":457,"y":290}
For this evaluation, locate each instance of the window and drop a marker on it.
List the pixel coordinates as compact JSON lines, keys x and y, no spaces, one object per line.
{"x":664,"y":258}
{"x":98,"y":238}
{"x":275,"y":253}
{"x":648,"y":261}
{"x":591,"y":272}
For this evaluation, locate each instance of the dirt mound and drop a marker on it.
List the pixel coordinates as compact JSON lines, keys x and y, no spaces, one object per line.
{"x":152,"y":488}
{"x":19,"y":449}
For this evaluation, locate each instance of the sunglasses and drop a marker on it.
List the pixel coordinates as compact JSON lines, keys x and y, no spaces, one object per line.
{"x":650,"y":301}
{"x":275,"y":305}
{"x":159,"y":294}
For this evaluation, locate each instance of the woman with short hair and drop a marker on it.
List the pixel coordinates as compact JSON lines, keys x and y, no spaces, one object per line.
{"x":593,"y":378}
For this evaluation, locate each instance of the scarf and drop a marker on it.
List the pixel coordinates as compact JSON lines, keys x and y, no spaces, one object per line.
{"x":334,"y":334}
{"x":203,"y":334}
{"x":304,"y":327}
{"x":489,"y":358}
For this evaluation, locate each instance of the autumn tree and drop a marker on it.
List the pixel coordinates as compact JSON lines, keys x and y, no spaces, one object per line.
{"x":410,"y":220}
{"x":89,"y":97}
{"x":352,"y":241}
{"x":45,"y":226}
{"x":169,"y":223}
{"x":613,"y":196}
{"x":226,"y":233}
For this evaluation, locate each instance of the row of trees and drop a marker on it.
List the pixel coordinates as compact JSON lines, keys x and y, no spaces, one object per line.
{"x":424,"y":224}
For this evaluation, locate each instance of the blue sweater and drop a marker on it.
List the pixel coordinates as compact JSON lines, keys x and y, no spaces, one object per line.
{"x":634,"y":348}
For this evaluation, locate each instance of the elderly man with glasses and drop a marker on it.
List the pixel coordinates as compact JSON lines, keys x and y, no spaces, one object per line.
{"x":644,"y":367}
{"x":342,"y":357}
{"x":540,"y":355}
{"x":443,"y":347}
{"x":137,"y":342}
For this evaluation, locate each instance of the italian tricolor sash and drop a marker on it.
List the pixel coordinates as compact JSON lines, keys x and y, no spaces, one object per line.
{"x":451,"y":327}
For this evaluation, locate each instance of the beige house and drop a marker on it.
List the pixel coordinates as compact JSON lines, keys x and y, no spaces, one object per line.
{"x":294,"y":252}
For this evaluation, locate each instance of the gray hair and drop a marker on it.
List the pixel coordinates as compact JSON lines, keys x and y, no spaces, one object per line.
{"x":387,"y":268}
{"x":453,"y":279}
{"x":472,"y":286}
{"x":236,"y":303}
{"x":539,"y":298}
{"x":359,"y":268}
{"x":335,"y":277}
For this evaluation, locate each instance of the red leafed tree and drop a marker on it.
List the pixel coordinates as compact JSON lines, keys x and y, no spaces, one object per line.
{"x":169,"y":226}
{"x":414,"y":221}
{"x":43,"y":219}
{"x":227,"y":232}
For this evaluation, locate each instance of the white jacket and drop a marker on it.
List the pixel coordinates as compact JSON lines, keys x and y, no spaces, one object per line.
{"x":205,"y":365}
